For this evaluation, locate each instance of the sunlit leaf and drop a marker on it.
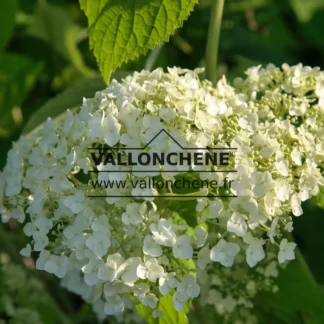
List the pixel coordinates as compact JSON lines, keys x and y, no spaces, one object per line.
{"x":121,"y":30}
{"x":165,"y":305}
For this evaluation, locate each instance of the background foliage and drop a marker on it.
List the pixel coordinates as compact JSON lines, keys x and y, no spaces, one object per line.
{"x":46,"y":66}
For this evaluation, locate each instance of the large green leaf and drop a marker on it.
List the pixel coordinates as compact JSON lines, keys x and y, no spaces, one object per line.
{"x":121,"y":30}
{"x":17,"y":77}
{"x":269,"y":315}
{"x":308,"y":231}
{"x":8,"y":10}
{"x":69,"y":99}
{"x":298,"y":291}
{"x":171,"y":315}
{"x":54,"y":26}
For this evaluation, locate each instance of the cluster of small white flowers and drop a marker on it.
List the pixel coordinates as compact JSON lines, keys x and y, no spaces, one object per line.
{"x":128,"y":248}
{"x":19,"y":300}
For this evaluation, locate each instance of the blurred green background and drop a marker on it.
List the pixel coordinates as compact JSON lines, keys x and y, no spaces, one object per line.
{"x":44,"y":52}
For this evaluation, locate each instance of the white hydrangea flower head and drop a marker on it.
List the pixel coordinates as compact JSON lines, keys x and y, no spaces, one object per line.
{"x":107,"y":242}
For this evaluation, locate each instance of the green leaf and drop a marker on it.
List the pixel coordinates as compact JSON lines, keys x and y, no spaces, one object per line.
{"x":8,"y":10}
{"x":304,"y":10}
{"x":69,"y":99}
{"x":308,"y":231}
{"x":121,"y":30}
{"x":298,"y":291}
{"x":48,"y":313}
{"x":166,"y":302}
{"x":54,"y":26}
{"x":18,"y":75}
{"x":269,"y":315}
{"x":171,"y":315}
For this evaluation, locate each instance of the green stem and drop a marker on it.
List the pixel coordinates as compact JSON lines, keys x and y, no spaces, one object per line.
{"x":213,"y":40}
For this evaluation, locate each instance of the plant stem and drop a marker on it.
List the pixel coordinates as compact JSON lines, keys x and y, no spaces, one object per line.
{"x":213,"y":40}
